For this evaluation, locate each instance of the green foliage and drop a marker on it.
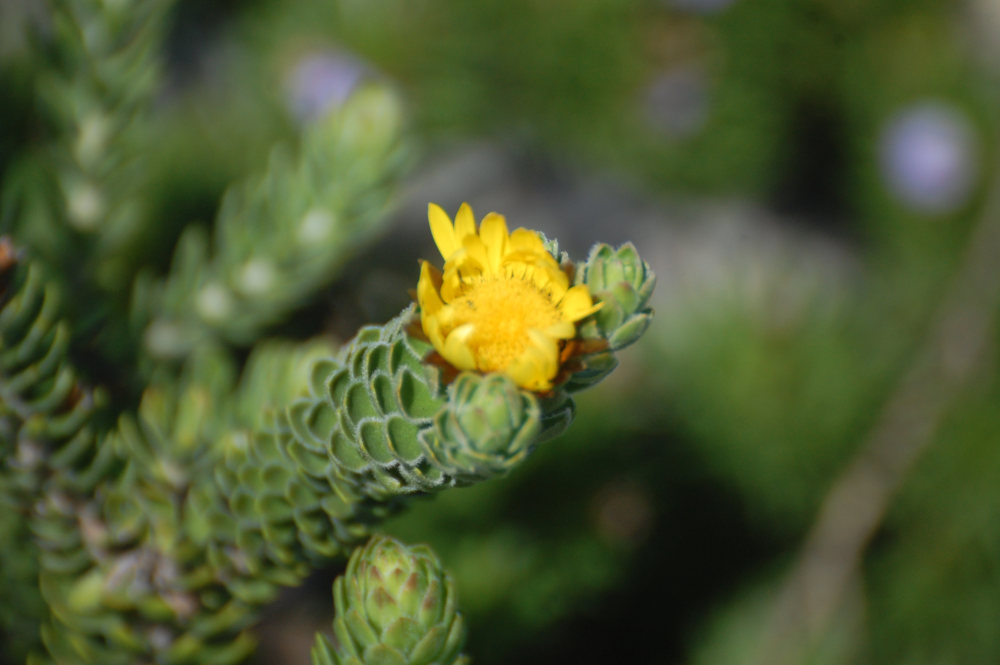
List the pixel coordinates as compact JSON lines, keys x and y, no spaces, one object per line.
{"x":119,"y":574}
{"x":102,"y":73}
{"x":40,"y":394}
{"x":280,"y":237}
{"x":43,"y":414}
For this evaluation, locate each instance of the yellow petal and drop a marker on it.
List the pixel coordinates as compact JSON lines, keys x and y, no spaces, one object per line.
{"x":465,"y":223}
{"x":535,"y":367}
{"x":524,"y":240}
{"x":561,"y":330}
{"x":432,"y":328}
{"x":467,"y":263}
{"x":442,"y":230}
{"x":475,"y":253}
{"x":547,"y":348}
{"x":558,"y":281}
{"x":456,"y":349}
{"x":451,"y":286}
{"x":493,"y":232}
{"x":546,"y":276}
{"x":527,"y":373}
{"x":427,"y":289}
{"x":577,"y":304}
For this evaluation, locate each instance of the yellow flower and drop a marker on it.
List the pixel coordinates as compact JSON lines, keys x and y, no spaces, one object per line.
{"x":503,"y":304}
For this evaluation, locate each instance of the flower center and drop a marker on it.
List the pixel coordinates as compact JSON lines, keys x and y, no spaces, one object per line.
{"x":502,"y":310}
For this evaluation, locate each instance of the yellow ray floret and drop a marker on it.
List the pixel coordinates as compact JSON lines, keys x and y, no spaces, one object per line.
{"x":502,"y":304}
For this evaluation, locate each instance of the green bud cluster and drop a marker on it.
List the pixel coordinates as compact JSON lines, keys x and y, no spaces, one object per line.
{"x":395,"y":606}
{"x":489,"y":426}
{"x":389,"y":426}
{"x":623,"y":283}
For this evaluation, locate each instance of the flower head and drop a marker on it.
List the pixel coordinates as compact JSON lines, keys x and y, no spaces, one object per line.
{"x":502,"y":304}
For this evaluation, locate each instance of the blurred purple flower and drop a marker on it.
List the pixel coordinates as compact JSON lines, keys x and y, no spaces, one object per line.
{"x":321,"y":81}
{"x":928,"y":157}
{"x":677,"y":101}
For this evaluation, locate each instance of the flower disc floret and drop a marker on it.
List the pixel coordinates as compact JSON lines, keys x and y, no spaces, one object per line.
{"x":502,"y":303}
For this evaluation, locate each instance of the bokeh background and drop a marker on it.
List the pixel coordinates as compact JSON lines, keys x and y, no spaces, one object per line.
{"x":800,"y":461}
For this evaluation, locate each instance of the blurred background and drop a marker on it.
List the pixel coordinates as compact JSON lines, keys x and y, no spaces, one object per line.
{"x":800,"y":461}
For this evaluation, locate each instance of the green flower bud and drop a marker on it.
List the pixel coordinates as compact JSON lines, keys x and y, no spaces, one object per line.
{"x":395,"y":606}
{"x":623,"y":283}
{"x":490,"y":426}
